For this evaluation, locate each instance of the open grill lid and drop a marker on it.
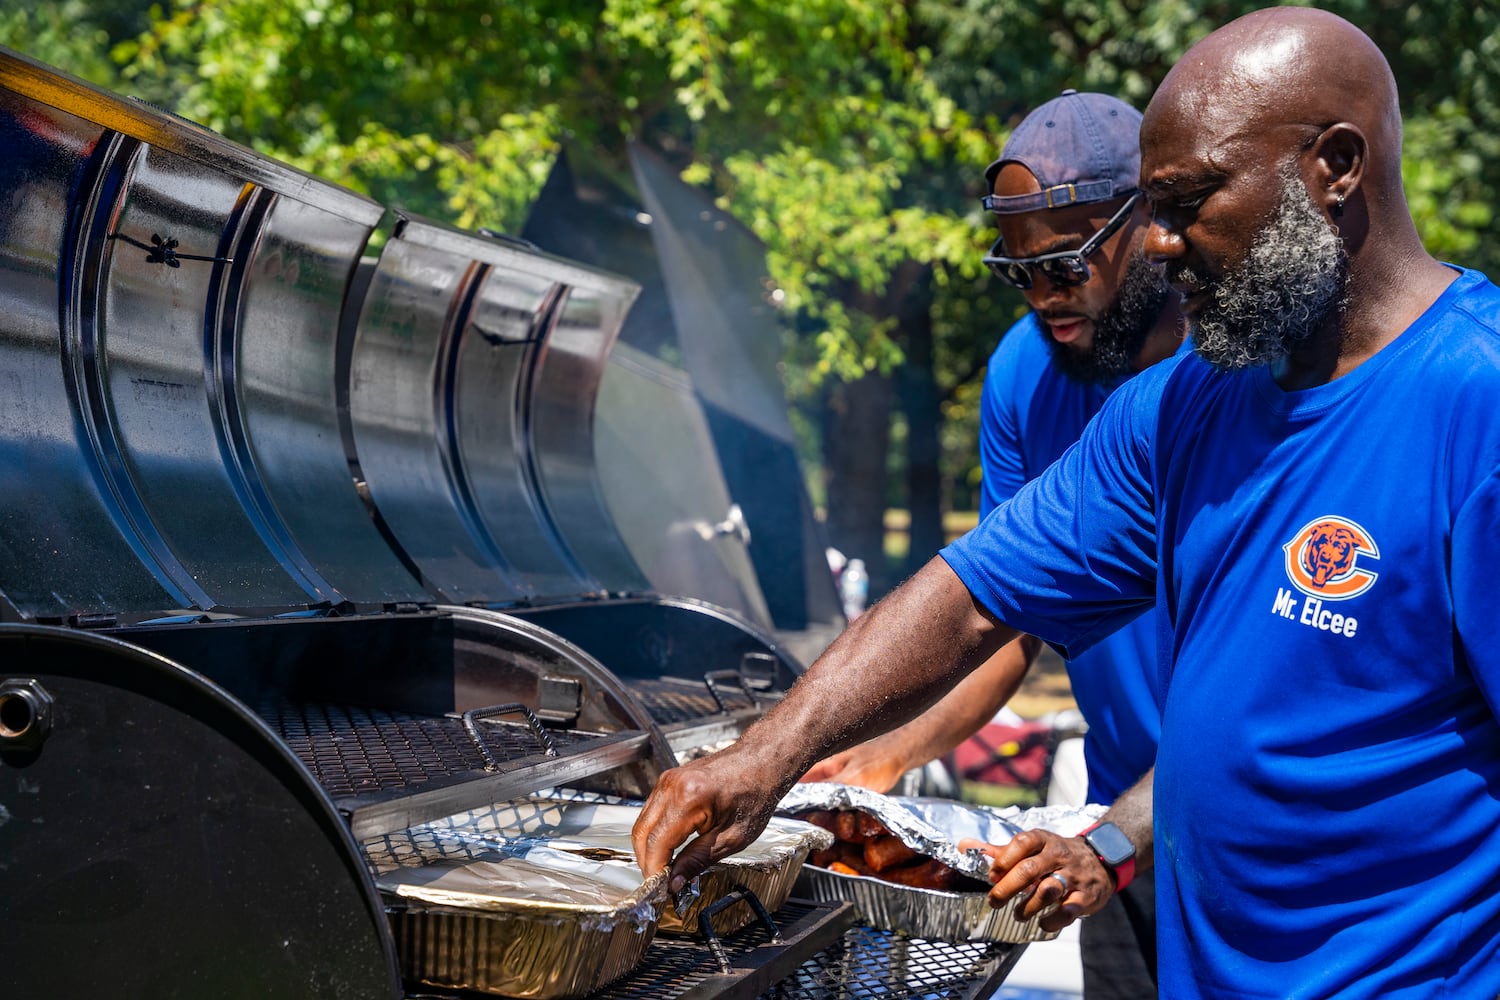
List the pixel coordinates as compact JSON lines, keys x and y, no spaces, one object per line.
{"x":473,"y":373}
{"x":224,"y":404}
{"x":195,"y":360}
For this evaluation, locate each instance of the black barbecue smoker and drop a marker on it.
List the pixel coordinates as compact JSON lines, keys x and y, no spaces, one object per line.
{"x":319,"y":522}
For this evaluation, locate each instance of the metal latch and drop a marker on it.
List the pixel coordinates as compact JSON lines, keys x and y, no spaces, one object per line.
{"x":705,"y":927}
{"x":559,"y":700}
{"x":758,"y":671}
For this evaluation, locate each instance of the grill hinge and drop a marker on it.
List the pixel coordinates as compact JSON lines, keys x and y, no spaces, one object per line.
{"x":95,"y":620}
{"x":559,"y":700}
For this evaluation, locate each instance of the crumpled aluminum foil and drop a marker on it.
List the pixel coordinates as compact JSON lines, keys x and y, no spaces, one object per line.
{"x":928,"y":826}
{"x":935,"y":826}
{"x":1069,"y":821}
{"x":932,"y":827}
{"x":560,"y":846}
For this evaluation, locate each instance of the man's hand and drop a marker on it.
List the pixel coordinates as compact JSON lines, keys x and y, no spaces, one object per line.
{"x":869,"y":765}
{"x":889,"y":665}
{"x":1024,"y":869}
{"x":879,"y":763}
{"x":725,"y":803}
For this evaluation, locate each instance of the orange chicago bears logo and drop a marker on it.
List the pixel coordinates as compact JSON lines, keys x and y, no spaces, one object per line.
{"x":1327,"y":558}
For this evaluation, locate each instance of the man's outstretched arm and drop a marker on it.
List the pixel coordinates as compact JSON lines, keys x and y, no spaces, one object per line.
{"x":890,"y":665}
{"x":878,"y":764}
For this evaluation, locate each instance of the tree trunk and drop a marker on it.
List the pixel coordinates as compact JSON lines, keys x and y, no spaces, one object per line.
{"x":921,"y":402}
{"x":856,"y":440}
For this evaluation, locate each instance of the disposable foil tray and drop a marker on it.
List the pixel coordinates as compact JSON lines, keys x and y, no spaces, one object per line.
{"x":921,"y":913}
{"x":932,"y":827}
{"x":481,"y":921}
{"x":768,"y":868}
{"x":599,"y":827}
{"x":591,"y":835}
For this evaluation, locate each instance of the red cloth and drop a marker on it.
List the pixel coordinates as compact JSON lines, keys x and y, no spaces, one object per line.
{"x":1006,"y":755}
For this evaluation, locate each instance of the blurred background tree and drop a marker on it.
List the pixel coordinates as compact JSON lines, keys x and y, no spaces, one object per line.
{"x":849,"y":135}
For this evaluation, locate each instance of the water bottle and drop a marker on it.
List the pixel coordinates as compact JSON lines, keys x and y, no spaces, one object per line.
{"x":854,"y":588}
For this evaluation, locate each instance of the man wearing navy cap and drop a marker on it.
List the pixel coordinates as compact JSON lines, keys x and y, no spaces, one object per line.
{"x":1071,"y":230}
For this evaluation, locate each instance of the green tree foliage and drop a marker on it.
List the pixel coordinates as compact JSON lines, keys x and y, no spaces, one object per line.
{"x":73,"y":34}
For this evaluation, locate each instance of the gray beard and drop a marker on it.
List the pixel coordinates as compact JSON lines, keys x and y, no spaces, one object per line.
{"x":1293,"y":282}
{"x":1121,"y":330}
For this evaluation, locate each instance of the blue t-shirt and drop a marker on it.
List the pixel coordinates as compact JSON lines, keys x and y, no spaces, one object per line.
{"x":1029,"y":414}
{"x":1327,"y":790}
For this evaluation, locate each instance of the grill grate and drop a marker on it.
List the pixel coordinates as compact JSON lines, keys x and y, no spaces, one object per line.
{"x":876,"y":963}
{"x":672,"y":966}
{"x":865,"y":962}
{"x":352,"y":750}
{"x":671,"y":700}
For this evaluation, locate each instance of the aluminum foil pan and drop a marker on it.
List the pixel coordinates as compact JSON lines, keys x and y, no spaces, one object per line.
{"x":768,"y":867}
{"x":922,"y":913}
{"x":591,"y":835}
{"x":466,"y":917}
{"x":932,"y":827}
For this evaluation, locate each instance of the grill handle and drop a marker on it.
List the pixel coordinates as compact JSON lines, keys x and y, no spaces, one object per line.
{"x":725,"y":901}
{"x":471,"y":726}
{"x":714,"y":678}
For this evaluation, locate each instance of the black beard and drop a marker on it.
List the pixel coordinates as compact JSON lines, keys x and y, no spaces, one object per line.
{"x":1292,"y":284}
{"x":1120,"y":331}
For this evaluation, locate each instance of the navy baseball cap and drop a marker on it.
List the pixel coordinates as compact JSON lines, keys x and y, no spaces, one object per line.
{"x":1080,"y":148}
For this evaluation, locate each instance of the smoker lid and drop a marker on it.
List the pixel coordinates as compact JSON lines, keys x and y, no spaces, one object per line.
{"x":235,"y":410}
{"x":131,"y":117}
{"x":166,"y":361}
{"x":474,"y":373}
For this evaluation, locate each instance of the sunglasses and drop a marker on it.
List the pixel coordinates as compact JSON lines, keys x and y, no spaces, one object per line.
{"x":1068,"y":267}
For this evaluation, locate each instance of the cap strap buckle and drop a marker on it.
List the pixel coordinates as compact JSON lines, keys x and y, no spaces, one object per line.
{"x":1057,"y":196}
{"x":1054,"y":200}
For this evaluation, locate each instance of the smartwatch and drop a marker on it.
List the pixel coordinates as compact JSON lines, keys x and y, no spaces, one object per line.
{"x":1114,"y":850}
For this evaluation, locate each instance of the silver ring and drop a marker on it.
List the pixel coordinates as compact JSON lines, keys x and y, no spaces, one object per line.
{"x":1061,"y":878}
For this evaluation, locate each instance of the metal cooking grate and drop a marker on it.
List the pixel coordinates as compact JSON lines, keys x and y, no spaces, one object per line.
{"x":673,"y":966}
{"x":352,"y":750}
{"x":864,"y":963}
{"x":875,"y":963}
{"x":672,"y":699}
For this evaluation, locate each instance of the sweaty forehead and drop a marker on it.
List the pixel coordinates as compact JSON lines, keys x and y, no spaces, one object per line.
{"x":1204,"y":129}
{"x":1179,"y":150}
{"x":1249,"y":88}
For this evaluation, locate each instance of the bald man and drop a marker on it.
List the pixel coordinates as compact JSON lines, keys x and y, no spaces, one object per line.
{"x":1311,"y":500}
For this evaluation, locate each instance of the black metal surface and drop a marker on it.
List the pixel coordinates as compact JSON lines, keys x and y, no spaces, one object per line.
{"x":651,"y":637}
{"x":351,"y":750}
{"x":159,"y":841}
{"x":861,"y":962}
{"x":688,"y":969}
{"x":713,"y":268}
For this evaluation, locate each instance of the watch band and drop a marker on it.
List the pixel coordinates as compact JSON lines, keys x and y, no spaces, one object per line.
{"x":1123,"y":873}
